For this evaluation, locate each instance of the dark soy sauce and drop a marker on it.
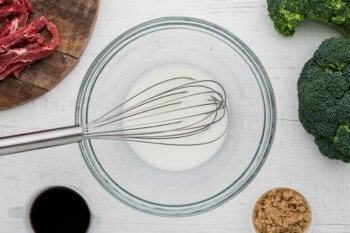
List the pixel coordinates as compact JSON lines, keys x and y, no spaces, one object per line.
{"x":60,"y":210}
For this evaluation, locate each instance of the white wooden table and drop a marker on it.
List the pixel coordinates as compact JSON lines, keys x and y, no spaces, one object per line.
{"x":294,"y":160}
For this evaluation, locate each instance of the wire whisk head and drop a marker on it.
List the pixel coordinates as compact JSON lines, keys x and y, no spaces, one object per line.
{"x":177,"y":111}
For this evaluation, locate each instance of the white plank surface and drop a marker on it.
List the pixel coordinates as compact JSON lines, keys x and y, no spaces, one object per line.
{"x":294,"y":160}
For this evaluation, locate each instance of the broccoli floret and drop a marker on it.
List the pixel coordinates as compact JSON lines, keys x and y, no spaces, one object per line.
{"x":288,"y":14}
{"x":324,"y":98}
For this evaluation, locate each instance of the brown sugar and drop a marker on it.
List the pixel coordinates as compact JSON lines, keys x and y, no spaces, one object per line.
{"x":281,"y":210}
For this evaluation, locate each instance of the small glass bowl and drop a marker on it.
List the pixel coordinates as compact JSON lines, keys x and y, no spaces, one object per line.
{"x":206,"y":46}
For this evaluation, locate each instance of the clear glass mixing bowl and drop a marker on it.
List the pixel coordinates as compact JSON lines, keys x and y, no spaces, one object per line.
{"x":251,"y":123}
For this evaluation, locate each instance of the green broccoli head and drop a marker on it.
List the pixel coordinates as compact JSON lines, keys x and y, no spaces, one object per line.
{"x":288,"y":14}
{"x":324,"y":98}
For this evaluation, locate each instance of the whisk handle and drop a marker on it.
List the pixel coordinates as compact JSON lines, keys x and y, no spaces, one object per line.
{"x":40,"y":139}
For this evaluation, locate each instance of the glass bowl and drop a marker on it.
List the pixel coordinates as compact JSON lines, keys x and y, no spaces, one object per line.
{"x":252,"y":119}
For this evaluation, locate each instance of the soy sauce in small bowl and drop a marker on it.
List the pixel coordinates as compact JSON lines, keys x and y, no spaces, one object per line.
{"x":60,"y":209}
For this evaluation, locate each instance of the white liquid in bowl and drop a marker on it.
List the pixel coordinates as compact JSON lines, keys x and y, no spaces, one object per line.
{"x":170,"y":157}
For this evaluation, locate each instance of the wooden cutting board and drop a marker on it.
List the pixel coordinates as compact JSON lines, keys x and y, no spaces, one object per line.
{"x":75,"y":20}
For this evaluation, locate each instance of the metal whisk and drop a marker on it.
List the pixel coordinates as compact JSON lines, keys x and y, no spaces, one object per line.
{"x":178,"y":111}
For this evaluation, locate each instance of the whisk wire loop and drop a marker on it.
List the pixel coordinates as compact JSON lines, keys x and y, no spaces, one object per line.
{"x":178,"y":111}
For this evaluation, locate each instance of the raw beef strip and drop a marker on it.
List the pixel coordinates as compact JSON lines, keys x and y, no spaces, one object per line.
{"x":12,"y":9}
{"x":22,"y":34}
{"x":11,"y":26}
{"x":14,"y":59}
{"x":22,"y":44}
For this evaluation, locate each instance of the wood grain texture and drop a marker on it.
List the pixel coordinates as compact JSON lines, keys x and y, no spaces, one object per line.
{"x":75,"y":21}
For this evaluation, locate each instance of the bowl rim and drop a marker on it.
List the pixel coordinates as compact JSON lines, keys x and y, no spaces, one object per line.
{"x":249,"y":173}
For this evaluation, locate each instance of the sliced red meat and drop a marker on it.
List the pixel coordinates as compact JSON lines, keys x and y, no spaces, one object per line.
{"x":22,"y":34}
{"x":19,"y":67}
{"x":12,"y":9}
{"x":14,"y":69}
{"x":14,"y":15}
{"x":12,"y":26}
{"x":30,"y":52}
{"x":55,"y":39}
{"x":25,"y":3}
{"x":6,"y":1}
{"x":36,"y":38}
{"x":22,"y":44}
{"x":29,"y":6}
